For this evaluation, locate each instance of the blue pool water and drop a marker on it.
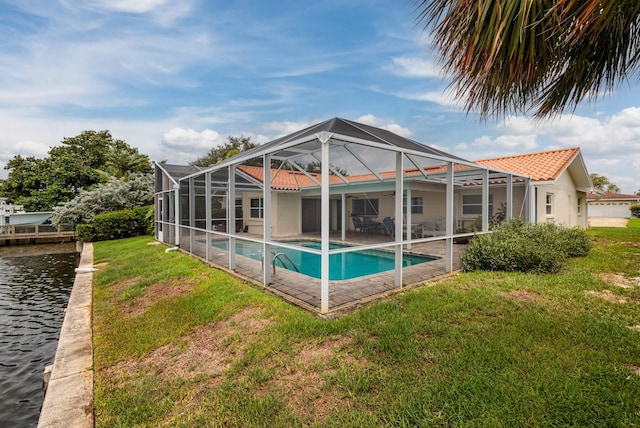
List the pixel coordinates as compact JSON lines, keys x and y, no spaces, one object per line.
{"x":341,"y":266}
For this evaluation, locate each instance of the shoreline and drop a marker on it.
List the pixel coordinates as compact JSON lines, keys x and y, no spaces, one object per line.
{"x":68,"y":400}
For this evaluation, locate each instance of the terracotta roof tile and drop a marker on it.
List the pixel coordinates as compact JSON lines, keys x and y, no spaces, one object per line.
{"x":610,"y":195}
{"x":285,"y":179}
{"x":541,"y":166}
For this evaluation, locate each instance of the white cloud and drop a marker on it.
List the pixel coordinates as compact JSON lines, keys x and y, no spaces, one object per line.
{"x":444,"y":97}
{"x":389,"y":125}
{"x":188,"y":140}
{"x":164,"y":12}
{"x":138,"y":6}
{"x":520,"y":143}
{"x":283,"y":128}
{"x":85,"y":61}
{"x":303,"y":70}
{"x":415,"y":67}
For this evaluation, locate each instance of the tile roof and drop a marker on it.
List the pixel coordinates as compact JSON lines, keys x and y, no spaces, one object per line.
{"x":610,"y":195}
{"x":285,"y":179}
{"x":541,"y":166}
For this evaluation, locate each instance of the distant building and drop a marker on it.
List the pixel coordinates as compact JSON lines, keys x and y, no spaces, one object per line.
{"x":611,"y":205}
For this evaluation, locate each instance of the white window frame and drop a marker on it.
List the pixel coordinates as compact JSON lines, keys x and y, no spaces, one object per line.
{"x":417,"y":205}
{"x":548,"y":204}
{"x":259,"y":210}
{"x":369,"y":209}
{"x":464,"y":205}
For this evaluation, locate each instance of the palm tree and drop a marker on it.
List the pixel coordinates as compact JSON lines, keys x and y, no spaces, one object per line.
{"x":121,"y":161}
{"x":508,"y":56}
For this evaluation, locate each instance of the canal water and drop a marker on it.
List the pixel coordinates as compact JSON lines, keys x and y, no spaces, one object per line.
{"x":35,"y":284}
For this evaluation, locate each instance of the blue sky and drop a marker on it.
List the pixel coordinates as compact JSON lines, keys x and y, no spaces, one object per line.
{"x":175,"y":78}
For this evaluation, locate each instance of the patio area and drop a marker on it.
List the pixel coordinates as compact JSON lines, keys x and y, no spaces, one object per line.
{"x":305,"y":291}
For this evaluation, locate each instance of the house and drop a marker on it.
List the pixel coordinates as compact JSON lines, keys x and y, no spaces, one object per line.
{"x":373,"y":191}
{"x":559,"y":184}
{"x":611,"y":205}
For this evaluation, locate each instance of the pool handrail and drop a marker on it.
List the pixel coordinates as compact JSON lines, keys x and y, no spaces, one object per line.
{"x":278,"y":256}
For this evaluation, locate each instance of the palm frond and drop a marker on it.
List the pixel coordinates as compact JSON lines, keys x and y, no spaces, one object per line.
{"x":545,"y":56}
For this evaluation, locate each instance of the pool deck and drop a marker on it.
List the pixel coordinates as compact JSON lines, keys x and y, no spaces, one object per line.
{"x":304,"y":291}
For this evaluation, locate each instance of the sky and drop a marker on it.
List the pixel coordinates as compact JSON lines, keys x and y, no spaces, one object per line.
{"x":176,"y":78}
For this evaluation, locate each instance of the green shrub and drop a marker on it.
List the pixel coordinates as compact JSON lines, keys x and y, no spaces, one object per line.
{"x":635,"y":210}
{"x":117,"y":224}
{"x":145,"y":220}
{"x":85,"y":232}
{"x":515,"y":246}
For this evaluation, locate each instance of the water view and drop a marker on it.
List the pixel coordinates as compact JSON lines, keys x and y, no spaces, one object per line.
{"x":34,"y":291}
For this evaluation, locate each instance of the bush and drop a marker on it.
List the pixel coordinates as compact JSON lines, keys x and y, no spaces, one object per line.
{"x":515,"y":246}
{"x":117,"y":194}
{"x":635,"y":210}
{"x":117,"y":224}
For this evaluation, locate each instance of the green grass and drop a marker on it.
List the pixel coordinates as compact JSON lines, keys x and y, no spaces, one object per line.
{"x":479,"y":349}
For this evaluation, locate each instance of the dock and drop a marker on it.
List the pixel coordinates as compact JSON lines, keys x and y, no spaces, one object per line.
{"x":22,"y":234}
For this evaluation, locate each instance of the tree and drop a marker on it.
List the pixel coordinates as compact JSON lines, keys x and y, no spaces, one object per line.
{"x":117,"y":194}
{"x":123,"y":160}
{"x":80,"y":162}
{"x":509,"y":56}
{"x":602,"y":184}
{"x":232,"y":147}
{"x":316,"y":166}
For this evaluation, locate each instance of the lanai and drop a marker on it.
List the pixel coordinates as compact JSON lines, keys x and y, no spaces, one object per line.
{"x":333,"y":163}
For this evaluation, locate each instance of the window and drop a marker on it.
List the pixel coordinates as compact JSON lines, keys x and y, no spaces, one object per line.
{"x":239,"y":209}
{"x":549,"y":204}
{"x":472,"y":205}
{"x":579,"y":205}
{"x":365,"y":207}
{"x":257,"y":208}
{"x":416,"y":205}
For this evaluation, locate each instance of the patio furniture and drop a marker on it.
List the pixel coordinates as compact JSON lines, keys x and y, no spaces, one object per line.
{"x":429,"y":228}
{"x":358,"y":224}
{"x":388,"y":225}
{"x":372,"y":226}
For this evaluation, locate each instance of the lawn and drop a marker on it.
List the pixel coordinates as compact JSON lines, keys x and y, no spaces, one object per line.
{"x":180,"y":344}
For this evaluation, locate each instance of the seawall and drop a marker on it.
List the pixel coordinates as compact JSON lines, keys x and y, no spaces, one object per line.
{"x":68,"y":401}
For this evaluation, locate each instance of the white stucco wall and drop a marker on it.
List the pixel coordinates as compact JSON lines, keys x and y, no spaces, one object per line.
{"x":286,"y":214}
{"x":565,"y":199}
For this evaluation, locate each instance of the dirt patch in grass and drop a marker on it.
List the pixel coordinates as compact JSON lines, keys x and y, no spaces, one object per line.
{"x":608,"y":296}
{"x":121,"y":286}
{"x":209,"y":350}
{"x":635,"y":370}
{"x":619,"y":280}
{"x":303,"y":378}
{"x":524,"y":295}
{"x":158,"y":291}
{"x":311,"y":355}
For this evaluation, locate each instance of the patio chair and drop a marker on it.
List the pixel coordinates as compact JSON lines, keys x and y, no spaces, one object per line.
{"x":358,"y":224}
{"x":388,"y":225}
{"x":370,"y":225}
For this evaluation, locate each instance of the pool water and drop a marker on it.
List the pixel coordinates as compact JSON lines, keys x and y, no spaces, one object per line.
{"x":341,"y":266}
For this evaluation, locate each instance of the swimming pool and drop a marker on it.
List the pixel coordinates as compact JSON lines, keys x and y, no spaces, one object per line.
{"x":342,"y":266}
